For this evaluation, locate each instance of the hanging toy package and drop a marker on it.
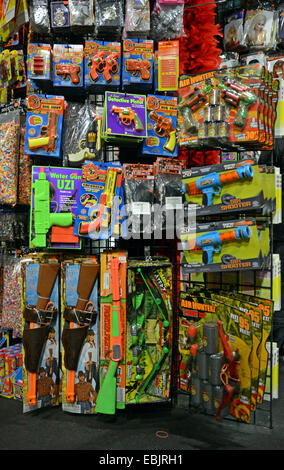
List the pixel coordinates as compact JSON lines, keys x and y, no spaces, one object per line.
{"x":167,"y":20}
{"x":81,"y":13}
{"x":39,"y":16}
{"x":233,"y":32}
{"x":260,"y":29}
{"x":137,"y":19}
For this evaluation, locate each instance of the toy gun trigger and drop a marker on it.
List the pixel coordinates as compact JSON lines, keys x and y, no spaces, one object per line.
{"x":126,"y":120}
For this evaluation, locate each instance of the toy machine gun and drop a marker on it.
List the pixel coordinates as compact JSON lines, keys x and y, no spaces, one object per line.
{"x":106,"y":399}
{"x":229,"y":372}
{"x":191,"y":102}
{"x":127,"y":116}
{"x":240,"y":97}
{"x":212,"y":242}
{"x":48,"y":136}
{"x":211,"y":184}
{"x":69,"y":70}
{"x":39,"y":318}
{"x":80,"y":318}
{"x":139,"y":66}
{"x":164,"y":127}
{"x":43,"y":218}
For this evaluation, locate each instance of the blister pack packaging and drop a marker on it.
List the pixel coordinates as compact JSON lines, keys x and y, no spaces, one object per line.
{"x":137,"y":19}
{"x":167,"y":20}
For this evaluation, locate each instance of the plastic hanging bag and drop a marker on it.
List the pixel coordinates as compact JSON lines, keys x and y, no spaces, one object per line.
{"x":9,"y":151}
{"x":11,"y":309}
{"x":260,"y":29}
{"x":109,"y":15}
{"x":39,"y":16}
{"x":167,"y":21}
{"x":234,"y":32}
{"x":81,"y":12}
{"x":137,"y":18}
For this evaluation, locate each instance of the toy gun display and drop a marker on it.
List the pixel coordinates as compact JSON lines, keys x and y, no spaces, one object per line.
{"x":106,"y":399}
{"x":103,"y":216}
{"x":240,"y":97}
{"x":47,"y":139}
{"x":211,"y":184}
{"x":69,"y":70}
{"x":43,"y":219}
{"x":229,"y":372}
{"x":128,"y":116}
{"x":164,"y":126}
{"x":136,"y":66}
{"x":212,"y":241}
{"x":191,"y":102}
{"x":97,"y":64}
{"x":39,"y":319}
{"x":80,"y":318}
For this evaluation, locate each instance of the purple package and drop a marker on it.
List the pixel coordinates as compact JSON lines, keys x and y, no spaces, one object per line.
{"x":125,"y":115}
{"x":64,"y":188}
{"x":59,"y":15}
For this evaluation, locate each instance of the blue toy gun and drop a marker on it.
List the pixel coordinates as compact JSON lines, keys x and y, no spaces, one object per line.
{"x":211,"y":184}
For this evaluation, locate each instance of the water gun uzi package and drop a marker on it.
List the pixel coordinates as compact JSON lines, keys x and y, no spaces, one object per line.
{"x":161,"y":126}
{"x":80,"y":334}
{"x":137,"y":64}
{"x":44,"y":125}
{"x":102,"y":65}
{"x":54,"y":200}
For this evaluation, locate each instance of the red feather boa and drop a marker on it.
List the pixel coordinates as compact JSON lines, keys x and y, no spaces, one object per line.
{"x":199,"y":53}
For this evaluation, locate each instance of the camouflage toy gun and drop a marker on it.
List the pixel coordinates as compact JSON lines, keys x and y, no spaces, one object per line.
{"x":136,"y":66}
{"x":240,"y":97}
{"x":164,"y":127}
{"x":128,"y":116}
{"x":211,"y":184}
{"x":42,"y":218}
{"x":191,"y":102}
{"x":47,"y":139}
{"x":69,"y":70}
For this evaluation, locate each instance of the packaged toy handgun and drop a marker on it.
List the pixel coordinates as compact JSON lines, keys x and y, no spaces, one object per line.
{"x":54,"y":200}
{"x":68,"y":65}
{"x":161,"y":126}
{"x":102,"y":65}
{"x":137,"y":64}
{"x":44,"y":125}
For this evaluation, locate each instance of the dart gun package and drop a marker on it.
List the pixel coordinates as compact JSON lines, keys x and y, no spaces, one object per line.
{"x":99,"y":213}
{"x":102,"y":65}
{"x":225,"y":245}
{"x":68,"y":65}
{"x":41,"y":335}
{"x":149,"y":331}
{"x":44,"y":125}
{"x":161,"y":126}
{"x":54,"y":199}
{"x":80,"y":334}
{"x":137,"y":64}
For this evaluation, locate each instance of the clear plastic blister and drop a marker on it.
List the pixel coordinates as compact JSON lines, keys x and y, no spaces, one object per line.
{"x":137,"y":18}
{"x":39,"y":16}
{"x":81,"y":12}
{"x":234,"y":32}
{"x":167,"y":21}
{"x":260,"y":29}
{"x":109,"y":15}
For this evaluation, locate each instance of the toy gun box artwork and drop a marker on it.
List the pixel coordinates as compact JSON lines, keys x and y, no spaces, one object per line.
{"x":137,"y":64}
{"x":224,"y":188}
{"x":99,"y":212}
{"x":68,"y":65}
{"x":102,"y":64}
{"x":80,"y":334}
{"x":224,"y":246}
{"x":161,"y":126}
{"x":54,"y":199}
{"x":44,"y":125}
{"x":149,"y":331}
{"x":124,"y":117}
{"x":41,"y":333}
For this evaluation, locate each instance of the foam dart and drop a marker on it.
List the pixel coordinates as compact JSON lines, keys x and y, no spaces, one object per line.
{"x":46,"y":279}
{"x":157,"y":301}
{"x":87,"y":278}
{"x":106,"y":399}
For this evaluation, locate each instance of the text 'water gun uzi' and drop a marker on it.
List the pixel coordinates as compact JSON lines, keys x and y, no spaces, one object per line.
{"x":212,"y":242}
{"x":211,"y":184}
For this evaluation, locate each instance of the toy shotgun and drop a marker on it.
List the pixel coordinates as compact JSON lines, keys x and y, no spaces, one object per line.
{"x":106,"y":399}
{"x":47,"y":139}
{"x":240,"y":97}
{"x":164,"y":127}
{"x":212,"y":241}
{"x":39,"y":318}
{"x":128,"y":116}
{"x":136,"y":66}
{"x":43,"y":218}
{"x":80,"y":315}
{"x":69,"y":70}
{"x":212,"y":183}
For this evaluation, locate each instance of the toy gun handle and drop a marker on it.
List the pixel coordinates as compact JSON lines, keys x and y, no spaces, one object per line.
{"x":207,"y":255}
{"x":171,"y":141}
{"x":74,"y":74}
{"x":145,"y":72}
{"x":137,"y":122}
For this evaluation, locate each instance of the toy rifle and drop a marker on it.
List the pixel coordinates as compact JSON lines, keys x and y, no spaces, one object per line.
{"x":136,"y":66}
{"x":240,"y":97}
{"x":211,"y":184}
{"x":128,"y":116}
{"x":164,"y":127}
{"x":39,"y":318}
{"x":69,"y":70}
{"x":106,"y":399}
{"x":43,"y":218}
{"x":47,"y":139}
{"x":81,"y":316}
{"x":212,"y":241}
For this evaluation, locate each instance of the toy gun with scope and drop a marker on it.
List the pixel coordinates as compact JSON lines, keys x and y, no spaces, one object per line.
{"x":128,"y":116}
{"x":211,"y":184}
{"x":47,"y":139}
{"x":240,"y":97}
{"x":164,"y":127}
{"x":191,"y":102}
{"x":212,"y":242}
{"x":42,"y":217}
